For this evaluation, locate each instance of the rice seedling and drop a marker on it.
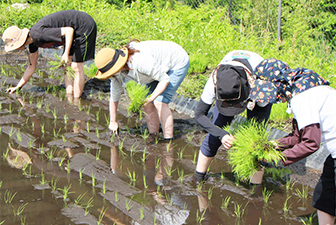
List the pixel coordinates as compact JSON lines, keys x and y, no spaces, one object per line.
{"x":93,"y":180}
{"x":251,"y":146}
{"x":181,"y":175}
{"x":169,"y":170}
{"x":64,"y":138}
{"x":169,"y":198}
{"x":66,"y":191}
{"x":180,"y":153}
{"x":49,"y":154}
{"x":53,"y":184}
{"x":195,"y":158}
{"x":239,"y":210}
{"x":142,"y":216}
{"x":98,"y":154}
{"x":302,"y":194}
{"x":54,"y":113}
{"x":308,"y":220}
{"x":157,"y":163}
{"x":80,"y":172}
{"x":65,"y":117}
{"x":9,"y":196}
{"x":104,"y":186}
{"x":18,"y":135}
{"x":145,"y":135}
{"x":97,"y":116}
{"x":47,"y":107}
{"x":11,"y":132}
{"x":5,"y":154}
{"x":101,"y":215}
{"x":144,"y":182}
{"x":43,"y":181}
{"x":24,"y":170}
{"x":128,"y":204}
{"x":100,"y":97}
{"x":79,"y":199}
{"x":20,"y":209}
{"x":88,"y":205}
{"x":200,"y":216}
{"x":116,"y":198}
{"x":210,"y":192}
{"x":225,"y":202}
{"x":131,"y":176}
{"x":132,"y":150}
{"x":56,"y":133}
{"x":286,"y":207}
{"x":190,"y":136}
{"x":144,"y":156}
{"x":266,"y":194}
{"x":137,"y":94}
{"x":42,"y":129}
{"x":289,"y":185}
{"x":97,"y":132}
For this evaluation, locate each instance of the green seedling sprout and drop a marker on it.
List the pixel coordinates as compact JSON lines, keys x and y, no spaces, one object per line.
{"x":88,"y":205}
{"x":169,"y":198}
{"x":93,"y":180}
{"x":56,"y":133}
{"x":9,"y":196}
{"x":157,"y":163}
{"x":239,"y":210}
{"x":181,"y":175}
{"x":210,"y":192}
{"x":43,"y":181}
{"x":101,"y":215}
{"x":20,"y":209}
{"x":180,"y":153}
{"x":79,"y":199}
{"x":132,"y":176}
{"x":302,"y":194}
{"x":18,"y":135}
{"x":54,"y":112}
{"x":87,"y":126}
{"x":195,"y":158}
{"x":116,"y":196}
{"x":289,"y":185}
{"x":97,"y":132}
{"x":200,"y":216}
{"x":81,"y":173}
{"x":225,"y":202}
{"x":266,"y":194}
{"x":137,"y":94}
{"x":128,"y":204}
{"x":66,"y":191}
{"x":98,"y":154}
{"x":142,"y":216}
{"x":286,"y":207}
{"x":144,"y":182}
{"x":47,"y":107}
{"x":53,"y":184}
{"x":169,"y":170}
{"x":104,"y":186}
{"x":5,"y":154}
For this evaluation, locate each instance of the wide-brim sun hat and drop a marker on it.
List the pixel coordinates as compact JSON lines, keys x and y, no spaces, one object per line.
{"x":14,"y":38}
{"x":109,"y":61}
{"x":231,"y":89}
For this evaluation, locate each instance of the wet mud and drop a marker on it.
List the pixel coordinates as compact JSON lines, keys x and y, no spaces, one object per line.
{"x":61,"y":165}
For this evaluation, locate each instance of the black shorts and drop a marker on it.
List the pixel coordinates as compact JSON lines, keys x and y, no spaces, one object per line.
{"x":324,"y":193}
{"x":83,"y":46}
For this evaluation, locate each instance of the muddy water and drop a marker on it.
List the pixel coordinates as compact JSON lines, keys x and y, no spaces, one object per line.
{"x":61,"y":165}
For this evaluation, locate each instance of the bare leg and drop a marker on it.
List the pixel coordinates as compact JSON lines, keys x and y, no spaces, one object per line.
{"x":325,"y":218}
{"x":152,"y":118}
{"x":79,"y":78}
{"x":203,"y":162}
{"x":166,"y":118}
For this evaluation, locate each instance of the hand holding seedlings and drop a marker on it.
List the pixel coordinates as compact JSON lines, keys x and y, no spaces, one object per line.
{"x":227,"y":141}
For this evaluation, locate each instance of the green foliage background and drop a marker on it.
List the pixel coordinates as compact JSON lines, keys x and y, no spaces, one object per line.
{"x":206,"y":29}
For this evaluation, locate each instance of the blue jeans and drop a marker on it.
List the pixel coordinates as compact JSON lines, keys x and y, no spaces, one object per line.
{"x":176,"y":77}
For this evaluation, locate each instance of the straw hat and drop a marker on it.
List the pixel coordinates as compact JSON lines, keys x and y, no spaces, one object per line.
{"x":14,"y":37}
{"x":110,"y":61}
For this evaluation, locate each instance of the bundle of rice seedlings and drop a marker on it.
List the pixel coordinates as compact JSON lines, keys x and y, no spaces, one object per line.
{"x":252,"y":145}
{"x":137,"y":94}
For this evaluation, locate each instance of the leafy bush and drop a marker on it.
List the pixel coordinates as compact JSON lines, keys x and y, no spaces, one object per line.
{"x":137,"y":94}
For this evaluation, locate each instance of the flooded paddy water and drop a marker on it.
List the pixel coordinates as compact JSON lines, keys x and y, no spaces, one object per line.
{"x":61,"y":165}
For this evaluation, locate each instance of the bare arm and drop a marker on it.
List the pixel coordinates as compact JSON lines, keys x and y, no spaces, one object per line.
{"x":68,"y":33}
{"x":27,"y":74}
{"x":161,"y":86}
{"x":113,"y":116}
